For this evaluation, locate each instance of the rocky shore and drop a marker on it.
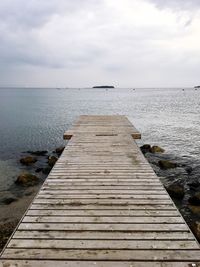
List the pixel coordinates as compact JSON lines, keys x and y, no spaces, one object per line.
{"x":35,"y":166}
{"x":181,"y":178}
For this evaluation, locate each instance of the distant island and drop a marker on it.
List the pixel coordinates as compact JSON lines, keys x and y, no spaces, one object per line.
{"x":104,"y":86}
{"x":198,"y":86}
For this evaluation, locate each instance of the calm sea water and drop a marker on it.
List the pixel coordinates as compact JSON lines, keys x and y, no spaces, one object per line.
{"x":36,"y":118}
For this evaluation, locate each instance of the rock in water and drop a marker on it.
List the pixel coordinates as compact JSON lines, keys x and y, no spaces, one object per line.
{"x":8,"y":200}
{"x":176,"y":191}
{"x":59,"y":150}
{"x":156,"y":149}
{"x":195,"y":200}
{"x":52,"y":160}
{"x":188,"y":169}
{"x":27,"y":179}
{"x":38,"y":169}
{"x":194,"y":209}
{"x":194,"y":185}
{"x":166,"y":164}
{"x":28,"y":160}
{"x":196,"y":229}
{"x":38,"y":152}
{"x":46,"y":170}
{"x":145,"y":148}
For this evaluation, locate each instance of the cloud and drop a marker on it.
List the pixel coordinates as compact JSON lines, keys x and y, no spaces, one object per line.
{"x":78,"y":42}
{"x":177,"y":4}
{"x":39,"y":32}
{"x":34,"y":13}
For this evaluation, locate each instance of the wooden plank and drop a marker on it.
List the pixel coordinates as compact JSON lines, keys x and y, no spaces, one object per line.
{"x":110,"y":181}
{"x":104,"y":191}
{"x":52,"y":263}
{"x":178,"y":227}
{"x":126,"y":168}
{"x":89,"y":186}
{"x":100,"y":203}
{"x":107,"y":173}
{"x":89,"y":165}
{"x":115,"y":179}
{"x":102,"y":219}
{"x":133,"y":176}
{"x":114,"y":183}
{"x":94,"y":212}
{"x":95,"y":235}
{"x":101,"y":244}
{"x":111,"y":201}
{"x":95,"y":254}
{"x":63,"y":197}
{"x":102,"y":206}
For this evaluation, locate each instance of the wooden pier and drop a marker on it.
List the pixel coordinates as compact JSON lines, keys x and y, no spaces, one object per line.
{"x":102,"y":205}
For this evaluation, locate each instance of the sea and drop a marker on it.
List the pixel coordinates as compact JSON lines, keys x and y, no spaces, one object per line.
{"x":36,"y":118}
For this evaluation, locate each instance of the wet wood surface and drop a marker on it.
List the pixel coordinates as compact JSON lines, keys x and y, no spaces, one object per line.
{"x":102,"y":205}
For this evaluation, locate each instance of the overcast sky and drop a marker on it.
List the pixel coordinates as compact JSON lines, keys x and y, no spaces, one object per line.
{"x":80,"y":43}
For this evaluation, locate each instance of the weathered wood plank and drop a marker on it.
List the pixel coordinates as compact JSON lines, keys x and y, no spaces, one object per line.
{"x":53,"y":263}
{"x":101,"y":244}
{"x":103,"y":191}
{"x":95,"y":235}
{"x":102,"y":196}
{"x":178,"y":227}
{"x":114,"y":183}
{"x":102,"y":187}
{"x":132,"y":180}
{"x":95,"y":254}
{"x":94,"y":212}
{"x":109,"y":201}
{"x":102,"y":219}
{"x":129,"y":175}
{"x":102,"y":206}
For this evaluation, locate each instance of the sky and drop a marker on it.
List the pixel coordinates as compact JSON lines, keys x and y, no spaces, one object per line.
{"x":82,"y":43}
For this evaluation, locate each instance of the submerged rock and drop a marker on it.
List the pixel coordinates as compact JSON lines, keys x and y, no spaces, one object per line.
{"x":59,"y":150}
{"x":38,"y":152}
{"x":28,"y":160}
{"x":145,"y":148}
{"x":194,"y":209}
{"x":27,"y":179}
{"x":196,"y":229}
{"x":38,"y":169}
{"x":194,"y":185}
{"x":8,"y":200}
{"x":151,"y":149}
{"x":188,"y":169}
{"x":52,"y":160}
{"x":195,"y":200}
{"x":156,"y":149}
{"x":46,"y":170}
{"x":166,"y":164}
{"x":176,"y":191}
